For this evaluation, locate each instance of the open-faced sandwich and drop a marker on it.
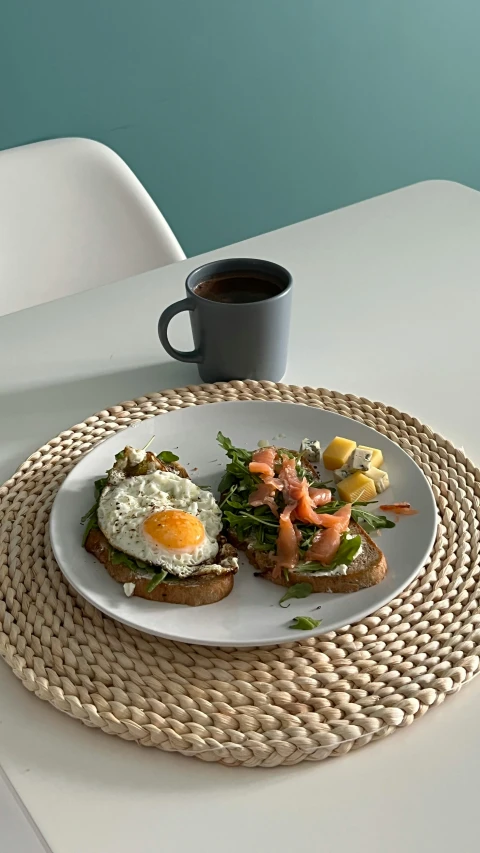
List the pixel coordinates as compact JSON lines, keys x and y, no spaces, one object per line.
{"x":295,"y":528}
{"x":158,"y":533}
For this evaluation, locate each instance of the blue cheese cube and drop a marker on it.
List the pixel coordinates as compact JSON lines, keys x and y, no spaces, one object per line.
{"x":380,"y":478}
{"x":311,"y":451}
{"x":341,"y":473}
{"x":360,"y":460}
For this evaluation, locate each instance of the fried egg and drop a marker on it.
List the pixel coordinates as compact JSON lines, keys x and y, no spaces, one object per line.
{"x":162,"y":519}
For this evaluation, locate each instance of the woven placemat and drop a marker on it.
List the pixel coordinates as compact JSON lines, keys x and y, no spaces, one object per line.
{"x":315,"y":698}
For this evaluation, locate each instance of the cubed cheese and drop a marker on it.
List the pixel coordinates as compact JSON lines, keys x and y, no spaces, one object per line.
{"x":356,"y":487}
{"x":341,"y":473}
{"x":360,"y":460}
{"x":337,"y":453}
{"x":377,"y":455}
{"x":311,"y":450}
{"x":380,"y":478}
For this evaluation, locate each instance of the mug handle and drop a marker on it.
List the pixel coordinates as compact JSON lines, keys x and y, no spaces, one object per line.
{"x":163,"y":323}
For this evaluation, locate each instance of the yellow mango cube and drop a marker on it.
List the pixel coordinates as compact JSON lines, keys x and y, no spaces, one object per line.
{"x":356,"y":487}
{"x":377,"y":455}
{"x":337,"y":453}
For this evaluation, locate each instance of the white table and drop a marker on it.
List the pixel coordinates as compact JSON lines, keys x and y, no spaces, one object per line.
{"x":400,"y":274}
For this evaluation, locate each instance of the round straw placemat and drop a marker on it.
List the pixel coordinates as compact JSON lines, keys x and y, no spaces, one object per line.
{"x":261,"y":707}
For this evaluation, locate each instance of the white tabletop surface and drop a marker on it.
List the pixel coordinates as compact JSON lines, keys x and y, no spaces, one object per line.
{"x":386,"y":306}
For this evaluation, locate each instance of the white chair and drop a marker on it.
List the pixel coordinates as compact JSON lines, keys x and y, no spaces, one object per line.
{"x":73,"y":216}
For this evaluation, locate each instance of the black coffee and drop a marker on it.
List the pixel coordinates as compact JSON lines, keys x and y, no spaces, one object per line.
{"x":238,"y":287}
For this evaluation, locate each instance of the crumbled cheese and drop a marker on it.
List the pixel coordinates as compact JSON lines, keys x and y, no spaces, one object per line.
{"x":338,"y":570}
{"x":341,"y":474}
{"x":311,"y":450}
{"x":135,"y":456}
{"x":129,"y":589}
{"x":360,"y":460}
{"x":380,"y":478}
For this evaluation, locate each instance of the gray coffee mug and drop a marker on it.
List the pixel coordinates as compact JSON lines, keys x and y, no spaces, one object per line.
{"x":235,"y":340}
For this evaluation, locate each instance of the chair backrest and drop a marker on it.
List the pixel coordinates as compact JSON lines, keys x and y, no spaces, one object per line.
{"x":73,"y":216}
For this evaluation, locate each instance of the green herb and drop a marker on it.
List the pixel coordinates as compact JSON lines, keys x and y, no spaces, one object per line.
{"x":345,"y":555}
{"x":99,"y":486}
{"x":228,"y":495}
{"x":308,"y":531}
{"x":158,"y":578}
{"x":120,"y":455}
{"x":268,"y":547}
{"x":231,"y":451}
{"x":304,"y":623}
{"x":369,"y":521}
{"x":118,"y":558}
{"x":285,"y":573}
{"x":91,"y":512}
{"x":298,"y":590}
{"x":92,"y":524}
{"x":167,"y":456}
{"x":313,"y":566}
{"x":333,"y":506}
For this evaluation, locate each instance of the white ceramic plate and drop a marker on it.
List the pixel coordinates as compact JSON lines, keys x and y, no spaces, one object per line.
{"x":250,"y":615}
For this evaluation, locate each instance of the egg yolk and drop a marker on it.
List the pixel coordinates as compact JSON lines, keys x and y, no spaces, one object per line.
{"x":174,"y":529}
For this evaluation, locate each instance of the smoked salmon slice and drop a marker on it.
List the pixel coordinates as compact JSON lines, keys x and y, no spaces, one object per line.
{"x":287,"y":543}
{"x":305,"y":511}
{"x":319,"y":497}
{"x":402,"y":508}
{"x":293,"y":487}
{"x":263,"y":461}
{"x":264,"y":496}
{"x":324,"y":546}
{"x":339,"y":519}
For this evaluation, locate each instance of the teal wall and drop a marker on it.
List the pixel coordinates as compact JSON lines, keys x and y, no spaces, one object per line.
{"x":240,"y":116}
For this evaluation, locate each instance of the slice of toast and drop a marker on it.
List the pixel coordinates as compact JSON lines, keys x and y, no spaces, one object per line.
{"x":368,"y":569}
{"x":210,"y":583}
{"x":194,"y":591}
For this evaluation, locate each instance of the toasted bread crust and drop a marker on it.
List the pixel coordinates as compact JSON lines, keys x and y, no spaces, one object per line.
{"x":355,"y":579}
{"x":191,"y":591}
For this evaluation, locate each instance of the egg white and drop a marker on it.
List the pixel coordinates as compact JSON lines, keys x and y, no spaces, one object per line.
{"x":124,"y":507}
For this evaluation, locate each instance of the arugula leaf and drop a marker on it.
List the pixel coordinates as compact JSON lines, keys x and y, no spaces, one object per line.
{"x":333,"y":506}
{"x":167,"y":456}
{"x":99,"y":487}
{"x":226,"y":483}
{"x":313,"y":566}
{"x":231,"y":451}
{"x":308,"y":532}
{"x":268,"y":547}
{"x":158,"y":578}
{"x":298,"y":590}
{"x":118,"y":558}
{"x":92,"y":511}
{"x":92,"y":524}
{"x":304,"y":623}
{"x":347,"y":551}
{"x":345,"y":555}
{"x":232,"y":489}
{"x":369,"y":521}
